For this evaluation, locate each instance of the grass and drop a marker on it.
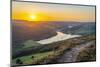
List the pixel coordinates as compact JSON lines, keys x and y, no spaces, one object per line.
{"x":37,"y":57}
{"x":31,"y":43}
{"x":50,"y":52}
{"x":27,"y":45}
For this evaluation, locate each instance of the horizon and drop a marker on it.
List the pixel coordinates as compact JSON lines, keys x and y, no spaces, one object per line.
{"x":52,"y":12}
{"x":54,"y":21}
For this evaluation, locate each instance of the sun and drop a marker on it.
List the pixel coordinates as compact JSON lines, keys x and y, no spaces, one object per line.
{"x":32,"y":17}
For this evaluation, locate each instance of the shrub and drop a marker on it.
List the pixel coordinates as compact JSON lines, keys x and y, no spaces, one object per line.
{"x":18,"y":61}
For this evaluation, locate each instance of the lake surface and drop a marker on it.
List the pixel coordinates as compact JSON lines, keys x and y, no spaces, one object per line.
{"x":59,"y":37}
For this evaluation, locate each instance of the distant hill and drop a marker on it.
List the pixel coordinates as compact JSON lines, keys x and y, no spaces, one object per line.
{"x":71,"y":27}
{"x":80,"y":29}
{"x":31,"y":30}
{"x":86,"y":29}
{"x":25,"y":30}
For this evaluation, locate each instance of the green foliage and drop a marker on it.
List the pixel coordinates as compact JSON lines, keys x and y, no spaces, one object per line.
{"x":49,"y":52}
{"x":18,"y":61}
{"x":30,"y":43}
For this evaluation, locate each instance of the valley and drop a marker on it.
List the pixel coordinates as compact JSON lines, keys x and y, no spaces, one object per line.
{"x":55,"y":42}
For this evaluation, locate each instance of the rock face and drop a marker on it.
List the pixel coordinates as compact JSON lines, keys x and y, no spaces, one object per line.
{"x":25,"y":30}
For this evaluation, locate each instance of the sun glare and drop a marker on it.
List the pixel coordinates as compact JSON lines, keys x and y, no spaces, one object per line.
{"x":32,"y":18}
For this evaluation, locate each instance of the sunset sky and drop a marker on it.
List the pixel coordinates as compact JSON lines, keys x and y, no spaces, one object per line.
{"x":52,"y":12}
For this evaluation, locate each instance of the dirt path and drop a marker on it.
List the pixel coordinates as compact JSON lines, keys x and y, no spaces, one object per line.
{"x":70,"y":56}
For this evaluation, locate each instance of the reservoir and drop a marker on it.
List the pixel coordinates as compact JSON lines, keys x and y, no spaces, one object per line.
{"x":59,"y":37}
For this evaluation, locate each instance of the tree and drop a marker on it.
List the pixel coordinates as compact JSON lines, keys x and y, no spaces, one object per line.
{"x":18,"y":61}
{"x":32,"y":57}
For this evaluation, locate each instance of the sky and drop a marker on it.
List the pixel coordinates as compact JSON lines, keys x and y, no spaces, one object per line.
{"x":52,"y":12}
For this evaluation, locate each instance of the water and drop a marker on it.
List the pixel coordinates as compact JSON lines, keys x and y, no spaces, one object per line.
{"x":59,"y":37}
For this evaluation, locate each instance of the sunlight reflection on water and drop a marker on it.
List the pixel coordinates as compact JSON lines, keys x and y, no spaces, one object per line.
{"x":59,"y":37}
